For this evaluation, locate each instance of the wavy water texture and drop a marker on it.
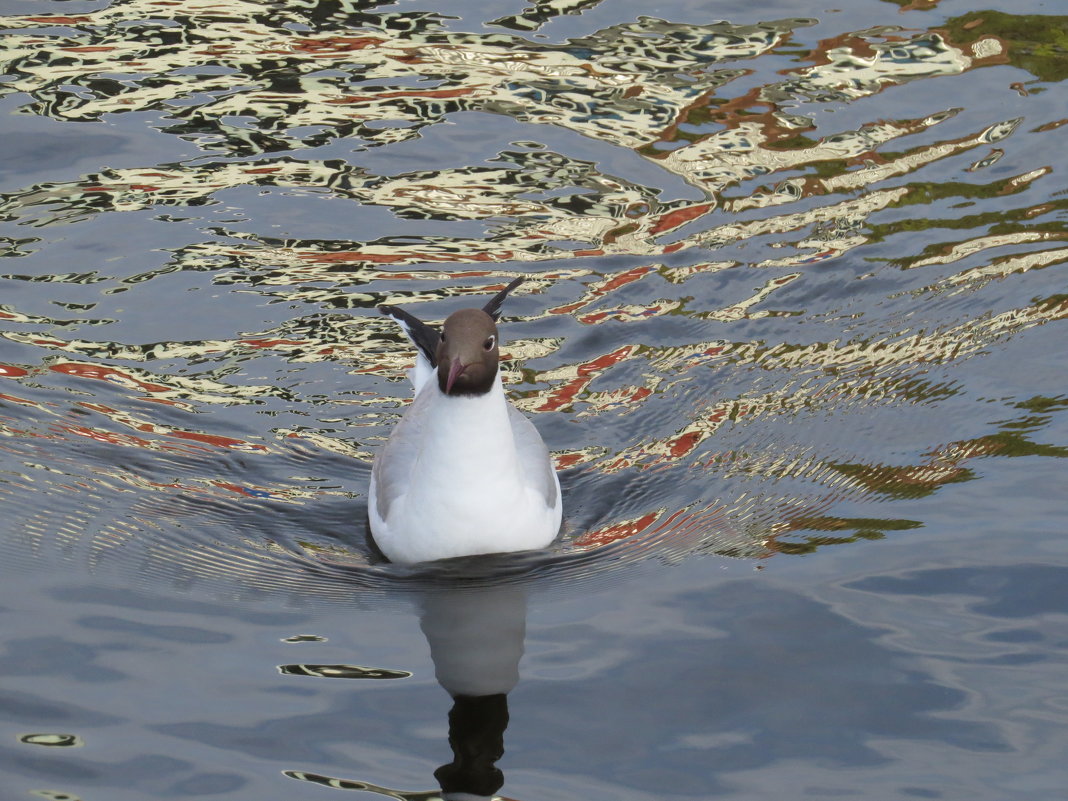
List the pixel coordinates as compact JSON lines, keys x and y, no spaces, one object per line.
{"x":741,"y":319}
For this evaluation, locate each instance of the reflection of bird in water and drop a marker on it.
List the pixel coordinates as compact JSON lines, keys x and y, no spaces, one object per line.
{"x":476,"y":642}
{"x":463,"y":472}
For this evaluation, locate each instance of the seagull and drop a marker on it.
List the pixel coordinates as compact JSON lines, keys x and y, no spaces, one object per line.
{"x":464,"y":472}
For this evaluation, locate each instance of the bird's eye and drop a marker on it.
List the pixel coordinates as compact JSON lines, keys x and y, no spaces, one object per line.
{"x":489,"y":343}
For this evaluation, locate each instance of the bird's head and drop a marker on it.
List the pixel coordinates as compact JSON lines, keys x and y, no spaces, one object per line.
{"x":467,"y":356}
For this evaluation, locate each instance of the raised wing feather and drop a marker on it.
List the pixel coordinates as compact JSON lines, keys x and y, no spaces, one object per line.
{"x":424,"y":337}
{"x":493,"y":307}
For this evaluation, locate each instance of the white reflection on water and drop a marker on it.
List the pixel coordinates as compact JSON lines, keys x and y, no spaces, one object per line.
{"x":791,"y":285}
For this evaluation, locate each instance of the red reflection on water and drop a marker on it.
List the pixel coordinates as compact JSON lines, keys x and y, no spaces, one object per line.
{"x":680,"y":526}
{"x":335,"y":44}
{"x":600,"y":290}
{"x":272,"y":343}
{"x":679,"y":217}
{"x":106,"y":436}
{"x":152,"y":428}
{"x":215,"y":439}
{"x":620,"y":531}
{"x":248,"y":492}
{"x":565,"y":395}
{"x":102,"y":373}
{"x":566,"y":460}
{"x":21,"y":401}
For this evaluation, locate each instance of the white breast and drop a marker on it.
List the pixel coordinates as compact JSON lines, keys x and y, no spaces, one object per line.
{"x":462,"y":476}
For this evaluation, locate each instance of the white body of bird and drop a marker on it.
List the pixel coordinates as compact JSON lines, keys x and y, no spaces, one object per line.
{"x":463,"y":472}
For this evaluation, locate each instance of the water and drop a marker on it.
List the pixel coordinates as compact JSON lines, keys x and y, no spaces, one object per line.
{"x":792,"y":327}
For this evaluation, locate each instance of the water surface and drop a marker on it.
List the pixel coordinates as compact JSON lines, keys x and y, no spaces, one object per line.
{"x":792,"y":327}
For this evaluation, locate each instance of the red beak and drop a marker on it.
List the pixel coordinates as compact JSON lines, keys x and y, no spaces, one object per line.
{"x":455,"y":369}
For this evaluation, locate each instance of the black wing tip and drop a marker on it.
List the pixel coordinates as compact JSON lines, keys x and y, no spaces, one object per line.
{"x":423,"y":336}
{"x":493,"y":307}
{"x":399,"y":314}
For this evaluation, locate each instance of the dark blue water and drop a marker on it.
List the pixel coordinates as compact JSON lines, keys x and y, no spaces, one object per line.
{"x":792,"y":328}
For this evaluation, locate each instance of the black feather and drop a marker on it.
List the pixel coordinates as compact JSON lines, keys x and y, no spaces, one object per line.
{"x":423,"y":336}
{"x":493,"y":308}
{"x":426,"y":337}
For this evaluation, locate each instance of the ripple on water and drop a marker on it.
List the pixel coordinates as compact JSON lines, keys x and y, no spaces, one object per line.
{"x":742,"y":315}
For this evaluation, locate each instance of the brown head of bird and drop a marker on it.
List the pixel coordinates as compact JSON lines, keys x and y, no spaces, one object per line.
{"x":467,"y":355}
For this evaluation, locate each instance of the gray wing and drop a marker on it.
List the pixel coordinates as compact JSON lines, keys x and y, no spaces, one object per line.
{"x":392,"y":467}
{"x":533,"y":455}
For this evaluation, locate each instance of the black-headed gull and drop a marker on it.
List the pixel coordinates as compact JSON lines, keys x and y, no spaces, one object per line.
{"x":463,"y":472}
